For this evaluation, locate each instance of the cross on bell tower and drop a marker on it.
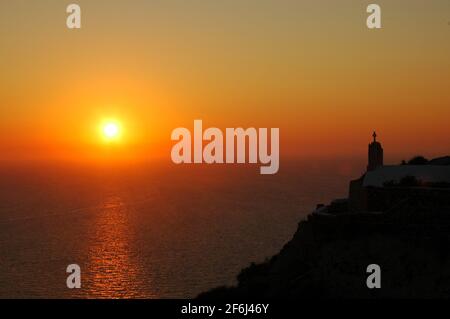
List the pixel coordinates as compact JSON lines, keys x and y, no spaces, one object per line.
{"x":375,"y":154}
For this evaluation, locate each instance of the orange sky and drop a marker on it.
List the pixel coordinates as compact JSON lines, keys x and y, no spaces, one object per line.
{"x":311,"y":68}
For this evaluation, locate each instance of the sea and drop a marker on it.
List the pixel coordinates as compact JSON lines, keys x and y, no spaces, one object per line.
{"x":151,"y":230}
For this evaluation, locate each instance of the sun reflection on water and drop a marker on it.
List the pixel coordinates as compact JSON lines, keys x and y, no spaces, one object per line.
{"x":113,"y":269}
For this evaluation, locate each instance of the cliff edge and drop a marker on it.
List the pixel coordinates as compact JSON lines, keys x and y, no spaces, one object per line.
{"x":331,"y":249}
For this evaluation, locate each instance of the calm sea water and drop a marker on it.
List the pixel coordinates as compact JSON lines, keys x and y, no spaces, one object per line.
{"x":150,"y":231}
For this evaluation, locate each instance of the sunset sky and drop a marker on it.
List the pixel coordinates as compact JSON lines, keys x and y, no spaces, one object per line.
{"x":311,"y":68}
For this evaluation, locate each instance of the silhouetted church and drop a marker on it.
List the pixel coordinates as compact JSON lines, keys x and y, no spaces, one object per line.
{"x":380,"y":187}
{"x":375,"y":154}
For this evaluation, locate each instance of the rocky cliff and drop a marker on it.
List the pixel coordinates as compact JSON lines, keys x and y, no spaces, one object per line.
{"x":329,"y":254}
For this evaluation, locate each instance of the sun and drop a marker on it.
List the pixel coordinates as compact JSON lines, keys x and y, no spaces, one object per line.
{"x":111,"y":130}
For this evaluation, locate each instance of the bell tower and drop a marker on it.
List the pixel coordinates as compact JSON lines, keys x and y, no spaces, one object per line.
{"x":375,"y":154}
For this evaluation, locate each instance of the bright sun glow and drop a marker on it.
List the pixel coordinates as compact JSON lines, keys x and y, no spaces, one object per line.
{"x":111,"y":130}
